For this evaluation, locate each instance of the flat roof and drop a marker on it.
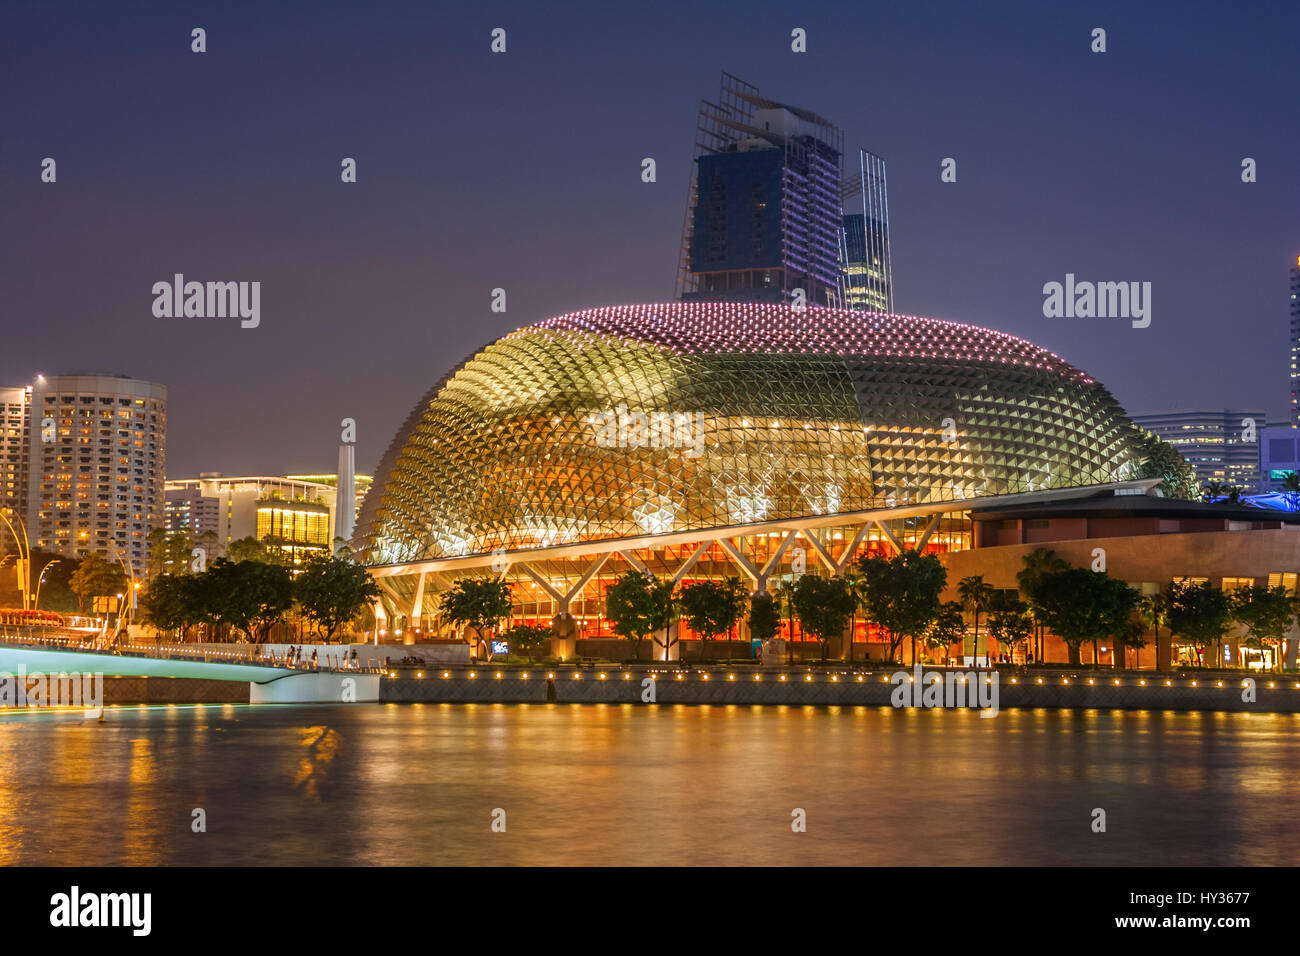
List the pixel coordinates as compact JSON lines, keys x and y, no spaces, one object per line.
{"x":1132,"y":506}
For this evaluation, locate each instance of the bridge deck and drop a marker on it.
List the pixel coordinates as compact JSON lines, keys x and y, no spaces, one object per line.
{"x":16,"y":656}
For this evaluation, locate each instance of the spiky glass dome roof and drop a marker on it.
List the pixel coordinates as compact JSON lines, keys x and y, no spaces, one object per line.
{"x":646,"y":419}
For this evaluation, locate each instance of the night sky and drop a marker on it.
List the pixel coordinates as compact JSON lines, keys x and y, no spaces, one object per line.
{"x":522,"y":171}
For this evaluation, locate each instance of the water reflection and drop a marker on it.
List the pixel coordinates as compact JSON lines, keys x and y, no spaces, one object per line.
{"x":609,"y":784}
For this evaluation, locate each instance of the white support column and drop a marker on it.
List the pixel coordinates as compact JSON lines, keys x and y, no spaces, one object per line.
{"x":545,"y":585}
{"x":925,"y":538}
{"x":822,"y":553}
{"x":898,"y":546}
{"x":774,"y":561}
{"x":741,"y":560}
{"x":633,"y":560}
{"x":417,"y":603}
{"x":586,"y":577}
{"x":690,"y":562}
{"x":853,"y":547}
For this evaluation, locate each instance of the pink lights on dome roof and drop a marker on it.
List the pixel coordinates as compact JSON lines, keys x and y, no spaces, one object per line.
{"x":720,"y":327}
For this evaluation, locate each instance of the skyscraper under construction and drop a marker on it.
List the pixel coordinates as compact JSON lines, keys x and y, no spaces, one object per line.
{"x":771,"y":216}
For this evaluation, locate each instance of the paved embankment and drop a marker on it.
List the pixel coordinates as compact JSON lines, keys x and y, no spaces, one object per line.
{"x":826,"y":687}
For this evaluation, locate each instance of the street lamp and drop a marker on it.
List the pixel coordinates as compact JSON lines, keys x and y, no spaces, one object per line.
{"x":24,"y":555}
{"x":36,"y":604}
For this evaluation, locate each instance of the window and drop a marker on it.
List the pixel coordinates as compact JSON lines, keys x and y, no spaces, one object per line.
{"x":1286,"y":579}
{"x":1232,"y":584}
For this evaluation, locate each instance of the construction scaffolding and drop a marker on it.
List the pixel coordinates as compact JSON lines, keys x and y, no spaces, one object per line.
{"x":811,"y":176}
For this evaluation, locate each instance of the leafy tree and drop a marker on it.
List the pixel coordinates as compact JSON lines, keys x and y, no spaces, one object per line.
{"x":528,"y":639}
{"x":1081,"y":605}
{"x":96,"y":577}
{"x":947,"y":628}
{"x":1266,"y":613}
{"x":975,"y":596}
{"x":165,"y":605}
{"x":901,"y":594}
{"x":764,"y":617}
{"x":250,"y":549}
{"x":1037,"y":565}
{"x":1010,"y":622}
{"x":332,"y":590}
{"x":633,"y":606}
{"x":824,"y":606}
{"x":253,"y":595}
{"x":1200,"y":612}
{"x":663,"y":608}
{"x":1159,"y":459}
{"x":169,"y":552}
{"x":1131,"y":635}
{"x":712,"y":608}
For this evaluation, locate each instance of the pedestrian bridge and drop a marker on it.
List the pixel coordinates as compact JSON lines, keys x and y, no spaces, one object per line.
{"x":268,"y":682}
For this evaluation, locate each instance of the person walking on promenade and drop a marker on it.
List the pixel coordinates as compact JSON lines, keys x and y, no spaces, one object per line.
{"x":313,"y":657}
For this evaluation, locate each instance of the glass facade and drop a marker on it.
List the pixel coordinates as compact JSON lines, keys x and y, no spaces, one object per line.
{"x":631,"y":421}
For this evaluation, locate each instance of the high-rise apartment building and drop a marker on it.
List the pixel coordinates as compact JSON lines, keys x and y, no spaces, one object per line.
{"x":1220,"y":444}
{"x":15,"y":452}
{"x":83,"y":463}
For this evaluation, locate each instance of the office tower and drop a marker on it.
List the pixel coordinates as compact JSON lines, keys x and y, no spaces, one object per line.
{"x":869,"y":281}
{"x":1295,"y":342}
{"x":1220,"y":444}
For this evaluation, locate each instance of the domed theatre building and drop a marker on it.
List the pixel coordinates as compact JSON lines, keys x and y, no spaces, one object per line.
{"x":699,"y":440}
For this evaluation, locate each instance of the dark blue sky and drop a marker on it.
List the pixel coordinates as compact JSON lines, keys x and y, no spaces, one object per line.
{"x":522,"y":171}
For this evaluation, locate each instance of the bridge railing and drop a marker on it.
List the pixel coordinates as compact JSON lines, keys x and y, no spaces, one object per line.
{"x":247,"y":655}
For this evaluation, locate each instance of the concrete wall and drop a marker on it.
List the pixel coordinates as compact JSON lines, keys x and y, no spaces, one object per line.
{"x":173,"y":690}
{"x":1151,"y":559}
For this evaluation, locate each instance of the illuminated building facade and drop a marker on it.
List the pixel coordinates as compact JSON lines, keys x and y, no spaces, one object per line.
{"x":15,"y":447}
{"x":1295,"y":342}
{"x":93,"y":447}
{"x":868,"y":271}
{"x":700,"y":439}
{"x":1220,"y":444}
{"x":291,"y":515}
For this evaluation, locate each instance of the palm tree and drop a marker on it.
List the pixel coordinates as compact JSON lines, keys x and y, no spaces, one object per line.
{"x":1291,"y":489}
{"x":1233,"y":494}
{"x":785,"y":594}
{"x":1038,"y":564}
{"x":853,"y":578}
{"x":975,"y":596}
{"x":1155,"y":611}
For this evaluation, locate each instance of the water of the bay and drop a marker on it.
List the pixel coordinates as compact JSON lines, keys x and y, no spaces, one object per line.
{"x":608,"y":784}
